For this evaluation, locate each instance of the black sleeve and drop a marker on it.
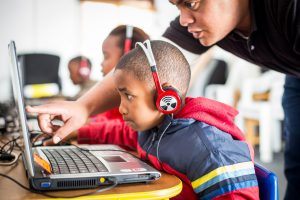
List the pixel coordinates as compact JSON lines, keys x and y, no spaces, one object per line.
{"x":287,"y":16}
{"x":296,"y":16}
{"x":179,"y":35}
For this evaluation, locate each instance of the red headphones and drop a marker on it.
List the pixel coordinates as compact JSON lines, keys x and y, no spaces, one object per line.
{"x":168,"y":100}
{"x":128,"y":39}
{"x":84,"y":69}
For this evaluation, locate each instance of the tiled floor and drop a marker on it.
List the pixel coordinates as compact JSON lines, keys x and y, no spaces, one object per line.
{"x":277,"y":167}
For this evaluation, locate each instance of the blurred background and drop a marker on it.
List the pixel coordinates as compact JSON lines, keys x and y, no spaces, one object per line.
{"x":54,"y":31}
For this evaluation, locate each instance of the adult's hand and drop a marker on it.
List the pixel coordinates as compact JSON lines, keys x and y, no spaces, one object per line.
{"x":72,"y":113}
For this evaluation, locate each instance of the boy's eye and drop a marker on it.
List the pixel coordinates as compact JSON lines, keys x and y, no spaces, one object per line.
{"x":129,"y":97}
{"x":192,"y":5}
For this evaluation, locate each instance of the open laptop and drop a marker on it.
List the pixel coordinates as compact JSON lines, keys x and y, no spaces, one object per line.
{"x":73,"y":167}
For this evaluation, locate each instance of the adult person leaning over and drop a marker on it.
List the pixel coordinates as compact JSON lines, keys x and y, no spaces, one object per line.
{"x":264,"y":32}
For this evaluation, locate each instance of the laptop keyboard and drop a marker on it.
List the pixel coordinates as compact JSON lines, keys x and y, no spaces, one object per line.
{"x":73,"y":161}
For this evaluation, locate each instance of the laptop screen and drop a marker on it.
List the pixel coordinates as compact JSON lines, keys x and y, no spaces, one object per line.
{"x":19,"y":100}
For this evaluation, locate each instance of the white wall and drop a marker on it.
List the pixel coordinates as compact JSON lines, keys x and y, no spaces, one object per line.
{"x":39,"y":26}
{"x":98,"y":19}
{"x":68,"y":28}
{"x":16,"y":23}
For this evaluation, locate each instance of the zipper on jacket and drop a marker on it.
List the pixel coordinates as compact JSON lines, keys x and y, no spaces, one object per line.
{"x":151,"y":144}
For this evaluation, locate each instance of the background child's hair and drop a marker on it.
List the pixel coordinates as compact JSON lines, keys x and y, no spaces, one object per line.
{"x":79,"y":58}
{"x":120,"y":31}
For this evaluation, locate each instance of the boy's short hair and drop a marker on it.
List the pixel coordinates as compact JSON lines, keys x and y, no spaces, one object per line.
{"x":172,"y":66}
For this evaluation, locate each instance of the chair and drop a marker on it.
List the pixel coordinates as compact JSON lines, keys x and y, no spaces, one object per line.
{"x":266,"y":114}
{"x":228,"y":92}
{"x":40,"y":70}
{"x":267,"y":183}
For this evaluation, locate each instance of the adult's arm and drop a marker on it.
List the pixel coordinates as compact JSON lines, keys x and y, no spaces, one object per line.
{"x":102,"y":97}
{"x":286,"y":17}
{"x":296,"y":17}
{"x":74,"y":114}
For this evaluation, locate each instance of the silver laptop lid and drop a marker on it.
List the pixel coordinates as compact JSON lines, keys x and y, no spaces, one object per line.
{"x":18,"y":96}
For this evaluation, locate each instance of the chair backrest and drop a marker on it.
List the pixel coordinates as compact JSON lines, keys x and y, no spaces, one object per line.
{"x":40,"y":75}
{"x":215,"y":72}
{"x":267,"y":183}
{"x":219,"y":74}
{"x":38,"y":68}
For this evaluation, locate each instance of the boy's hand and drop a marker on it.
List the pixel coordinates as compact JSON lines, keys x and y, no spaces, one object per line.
{"x":71,"y":113}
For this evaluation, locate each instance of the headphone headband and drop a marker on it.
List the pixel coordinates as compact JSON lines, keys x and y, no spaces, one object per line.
{"x":146,"y":46}
{"x":128,"y":39}
{"x":129,"y":31}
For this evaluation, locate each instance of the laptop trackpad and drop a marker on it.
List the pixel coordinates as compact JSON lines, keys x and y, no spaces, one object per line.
{"x":113,"y":159}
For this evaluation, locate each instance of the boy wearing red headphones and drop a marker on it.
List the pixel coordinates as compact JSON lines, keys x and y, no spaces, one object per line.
{"x":118,"y":42}
{"x":194,"y":139}
{"x":80,"y":69}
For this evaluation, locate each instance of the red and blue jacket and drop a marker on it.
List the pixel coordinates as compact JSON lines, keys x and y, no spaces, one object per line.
{"x":108,"y":127}
{"x":202,"y":146}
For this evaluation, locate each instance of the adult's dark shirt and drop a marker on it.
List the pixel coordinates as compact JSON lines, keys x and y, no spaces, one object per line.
{"x":274,"y":41}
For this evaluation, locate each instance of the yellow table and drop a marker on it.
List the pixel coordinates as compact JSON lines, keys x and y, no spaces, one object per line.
{"x":166,"y":187}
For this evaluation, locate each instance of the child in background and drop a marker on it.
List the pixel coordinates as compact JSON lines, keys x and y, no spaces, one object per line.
{"x":193,"y":138}
{"x":118,"y":42}
{"x":80,"y":70}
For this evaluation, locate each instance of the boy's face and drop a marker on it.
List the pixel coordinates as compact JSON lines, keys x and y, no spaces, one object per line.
{"x":210,"y":21}
{"x":137,"y":102}
{"x":111,"y":52}
{"x":74,"y":72}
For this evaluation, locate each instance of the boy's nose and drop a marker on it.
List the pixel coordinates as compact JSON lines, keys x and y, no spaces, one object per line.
{"x":185,"y":18}
{"x":122,"y":109}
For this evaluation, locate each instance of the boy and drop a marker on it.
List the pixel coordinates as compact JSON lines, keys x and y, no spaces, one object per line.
{"x":199,"y":143}
{"x":80,"y":69}
{"x":113,"y":48}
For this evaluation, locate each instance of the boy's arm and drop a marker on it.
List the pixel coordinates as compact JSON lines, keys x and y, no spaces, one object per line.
{"x":103,"y":96}
{"x":221,"y":167}
{"x":237,"y":181}
{"x":108,"y":132}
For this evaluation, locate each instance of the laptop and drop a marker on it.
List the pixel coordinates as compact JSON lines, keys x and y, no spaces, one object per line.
{"x":74,"y":167}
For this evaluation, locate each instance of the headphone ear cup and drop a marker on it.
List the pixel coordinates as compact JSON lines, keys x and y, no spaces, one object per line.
{"x":169,"y":101}
{"x":168,"y":88}
{"x":84,"y":70}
